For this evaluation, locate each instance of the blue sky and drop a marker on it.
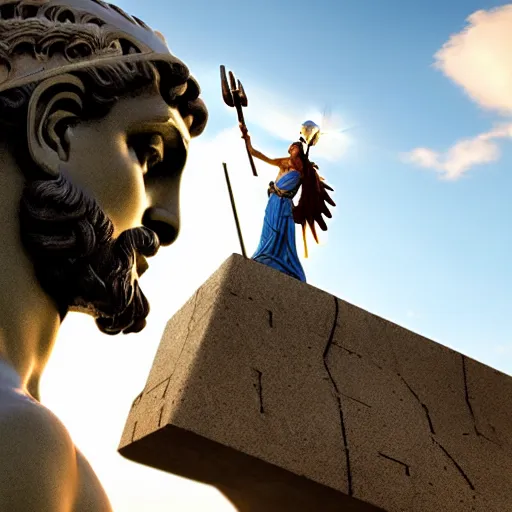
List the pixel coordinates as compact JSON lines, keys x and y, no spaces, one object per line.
{"x":426,"y":253}
{"x":421,"y":232}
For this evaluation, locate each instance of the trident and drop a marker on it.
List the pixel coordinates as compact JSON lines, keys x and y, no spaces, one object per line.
{"x":234,"y":96}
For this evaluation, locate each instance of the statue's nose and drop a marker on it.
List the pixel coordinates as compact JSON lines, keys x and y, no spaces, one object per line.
{"x":163,"y":222}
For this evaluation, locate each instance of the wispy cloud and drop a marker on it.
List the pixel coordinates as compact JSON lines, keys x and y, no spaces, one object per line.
{"x":453,"y":163}
{"x":478,"y":60}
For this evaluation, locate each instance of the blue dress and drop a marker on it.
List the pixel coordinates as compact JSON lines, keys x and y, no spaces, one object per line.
{"x":277,"y":248}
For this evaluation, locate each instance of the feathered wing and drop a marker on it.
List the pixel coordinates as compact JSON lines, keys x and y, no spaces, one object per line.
{"x":312,"y":204}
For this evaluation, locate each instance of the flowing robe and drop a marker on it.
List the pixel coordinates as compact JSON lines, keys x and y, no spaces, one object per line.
{"x":277,"y":247}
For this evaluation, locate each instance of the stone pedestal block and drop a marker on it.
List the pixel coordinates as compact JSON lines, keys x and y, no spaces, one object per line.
{"x":287,"y":398}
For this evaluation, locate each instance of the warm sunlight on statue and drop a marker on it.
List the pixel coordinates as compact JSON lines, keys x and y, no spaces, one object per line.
{"x":95,"y":120}
{"x":277,"y":247}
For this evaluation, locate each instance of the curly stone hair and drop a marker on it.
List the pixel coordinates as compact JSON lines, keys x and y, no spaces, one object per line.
{"x":66,"y":234}
{"x":76,"y":259}
{"x":104,"y":85}
{"x":66,"y":39}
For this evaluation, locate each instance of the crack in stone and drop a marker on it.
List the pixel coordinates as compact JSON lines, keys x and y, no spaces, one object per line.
{"x":424,"y":407}
{"x":490,"y":440}
{"x":429,"y":419}
{"x":189,"y":328}
{"x":167,"y":385}
{"x":455,"y":463}
{"x":270,"y":318}
{"x":356,"y":400}
{"x":360,"y":356}
{"x":137,"y":399}
{"x":406,"y":466}
{"x":466,"y":394}
{"x":259,"y":388}
{"x":158,"y":385}
{"x":337,"y":394}
{"x":470,"y":406}
{"x":133,"y":431}
{"x":160,"y":416}
{"x":351,"y":352}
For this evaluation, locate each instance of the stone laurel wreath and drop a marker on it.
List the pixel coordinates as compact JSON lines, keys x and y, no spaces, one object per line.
{"x":42,"y":25}
{"x":44,"y":32}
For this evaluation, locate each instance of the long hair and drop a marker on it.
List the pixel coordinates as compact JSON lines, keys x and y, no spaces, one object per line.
{"x":312,"y":203}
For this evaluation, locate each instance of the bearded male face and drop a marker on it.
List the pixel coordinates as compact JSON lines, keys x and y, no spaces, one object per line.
{"x":82,"y":228}
{"x":100,"y":134}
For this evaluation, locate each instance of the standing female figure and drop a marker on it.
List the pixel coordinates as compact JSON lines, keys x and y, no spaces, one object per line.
{"x":277,"y":247}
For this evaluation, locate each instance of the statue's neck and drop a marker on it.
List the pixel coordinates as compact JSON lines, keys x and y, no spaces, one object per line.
{"x":29,"y":319}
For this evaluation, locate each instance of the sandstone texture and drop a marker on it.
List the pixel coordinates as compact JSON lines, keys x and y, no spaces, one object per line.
{"x":287,"y":398}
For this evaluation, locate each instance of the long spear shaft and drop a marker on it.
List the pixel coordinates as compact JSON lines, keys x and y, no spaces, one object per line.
{"x":235,"y":214}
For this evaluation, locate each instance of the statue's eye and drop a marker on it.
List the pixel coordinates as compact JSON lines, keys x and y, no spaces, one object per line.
{"x":149,"y":149}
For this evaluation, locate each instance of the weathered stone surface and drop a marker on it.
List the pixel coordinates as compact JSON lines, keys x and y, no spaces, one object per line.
{"x":287,"y":398}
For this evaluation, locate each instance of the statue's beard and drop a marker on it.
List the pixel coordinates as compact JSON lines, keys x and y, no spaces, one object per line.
{"x":76,"y":258}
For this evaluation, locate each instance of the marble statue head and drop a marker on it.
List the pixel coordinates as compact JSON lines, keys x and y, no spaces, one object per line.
{"x":96,"y":116}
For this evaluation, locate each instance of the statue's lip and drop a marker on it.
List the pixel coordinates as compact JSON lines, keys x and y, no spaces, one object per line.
{"x":164,"y":223}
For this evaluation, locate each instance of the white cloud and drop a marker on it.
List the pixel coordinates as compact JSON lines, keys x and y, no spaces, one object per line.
{"x":462,"y":156}
{"x":478,"y":58}
{"x":424,"y":157}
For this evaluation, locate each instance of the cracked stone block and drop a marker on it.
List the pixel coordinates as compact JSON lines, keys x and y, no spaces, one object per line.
{"x":287,"y":398}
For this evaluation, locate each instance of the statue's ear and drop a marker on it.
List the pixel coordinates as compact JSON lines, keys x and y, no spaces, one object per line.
{"x":54,"y":105}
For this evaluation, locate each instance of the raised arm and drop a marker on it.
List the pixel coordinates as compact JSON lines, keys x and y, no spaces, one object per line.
{"x":278,"y":162}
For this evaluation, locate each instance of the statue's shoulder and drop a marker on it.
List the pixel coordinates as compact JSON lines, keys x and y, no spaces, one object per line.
{"x":37,"y":454}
